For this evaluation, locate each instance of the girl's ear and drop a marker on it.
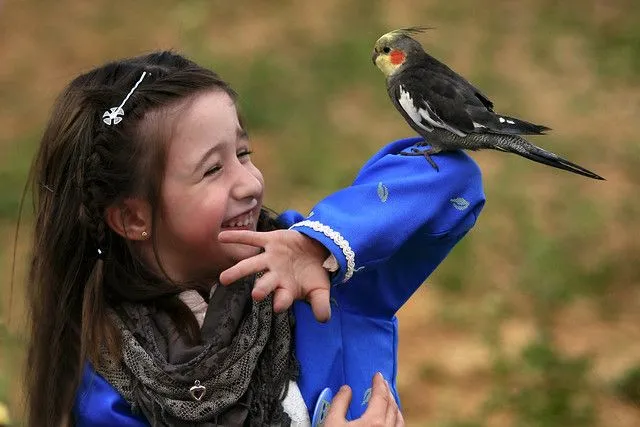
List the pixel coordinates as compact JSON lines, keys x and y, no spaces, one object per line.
{"x":132,"y":219}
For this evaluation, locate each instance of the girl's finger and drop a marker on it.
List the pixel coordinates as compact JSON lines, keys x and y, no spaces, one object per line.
{"x":338,"y":410}
{"x":244,"y":268}
{"x":245,"y":237}
{"x":264,"y":285}
{"x":320,"y":304}
{"x":378,"y":404}
{"x":282,"y":299}
{"x":392,"y":409}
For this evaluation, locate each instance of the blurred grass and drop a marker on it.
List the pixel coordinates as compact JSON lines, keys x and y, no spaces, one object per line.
{"x":534,"y":315}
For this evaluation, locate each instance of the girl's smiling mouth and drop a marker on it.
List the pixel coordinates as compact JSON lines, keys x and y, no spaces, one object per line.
{"x":245,"y":221}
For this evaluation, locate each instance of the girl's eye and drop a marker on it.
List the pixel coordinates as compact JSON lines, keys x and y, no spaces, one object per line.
{"x":244,"y":153}
{"x":212,"y":170}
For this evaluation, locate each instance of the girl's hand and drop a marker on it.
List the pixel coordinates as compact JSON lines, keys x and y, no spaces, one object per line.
{"x":382,"y":409}
{"x":291,"y":265}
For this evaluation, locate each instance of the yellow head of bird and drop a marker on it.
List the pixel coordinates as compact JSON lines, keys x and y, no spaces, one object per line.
{"x":390,"y":52}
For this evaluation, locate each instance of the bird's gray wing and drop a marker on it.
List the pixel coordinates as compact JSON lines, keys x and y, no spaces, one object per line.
{"x":460,"y":105}
{"x":457,"y":102}
{"x":430,"y":95}
{"x":404,"y":104}
{"x":446,"y":73}
{"x":430,"y":102}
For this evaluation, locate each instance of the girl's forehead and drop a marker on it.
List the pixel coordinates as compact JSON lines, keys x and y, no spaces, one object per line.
{"x":212,"y":113}
{"x":207,"y":120}
{"x":211,"y":106}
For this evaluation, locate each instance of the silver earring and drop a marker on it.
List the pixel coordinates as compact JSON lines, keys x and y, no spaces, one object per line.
{"x":144,"y":235}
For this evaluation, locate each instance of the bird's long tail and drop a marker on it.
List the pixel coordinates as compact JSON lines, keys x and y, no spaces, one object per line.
{"x":512,"y":144}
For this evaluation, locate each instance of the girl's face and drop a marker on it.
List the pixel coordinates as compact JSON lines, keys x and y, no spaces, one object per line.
{"x":210,"y":185}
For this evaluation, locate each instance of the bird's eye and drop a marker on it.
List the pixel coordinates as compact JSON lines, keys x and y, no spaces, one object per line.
{"x":387,"y":49}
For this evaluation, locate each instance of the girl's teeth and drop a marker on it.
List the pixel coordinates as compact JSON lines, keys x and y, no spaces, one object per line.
{"x":243,"y":223}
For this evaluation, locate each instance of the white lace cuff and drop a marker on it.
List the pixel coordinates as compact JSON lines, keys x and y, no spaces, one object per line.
{"x":337,"y":238}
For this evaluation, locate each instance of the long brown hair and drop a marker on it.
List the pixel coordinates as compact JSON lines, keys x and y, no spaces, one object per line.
{"x":79,"y":265}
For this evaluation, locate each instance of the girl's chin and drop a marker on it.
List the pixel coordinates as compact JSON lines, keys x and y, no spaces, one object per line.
{"x":237,"y":251}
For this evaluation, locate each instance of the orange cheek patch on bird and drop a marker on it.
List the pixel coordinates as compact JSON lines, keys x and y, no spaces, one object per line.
{"x":397,"y":57}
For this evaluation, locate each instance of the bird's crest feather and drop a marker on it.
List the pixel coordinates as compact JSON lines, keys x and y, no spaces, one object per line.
{"x":410,"y":30}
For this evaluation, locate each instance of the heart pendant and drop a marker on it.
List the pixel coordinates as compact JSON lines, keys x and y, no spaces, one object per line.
{"x":197,"y":390}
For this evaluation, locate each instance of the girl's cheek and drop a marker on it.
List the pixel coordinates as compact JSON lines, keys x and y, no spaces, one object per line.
{"x":257,"y":174}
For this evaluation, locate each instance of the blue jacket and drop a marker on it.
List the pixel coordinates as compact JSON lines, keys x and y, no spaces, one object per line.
{"x":388,"y":231}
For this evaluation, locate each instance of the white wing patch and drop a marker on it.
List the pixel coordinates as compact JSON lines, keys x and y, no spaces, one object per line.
{"x":436,"y":121}
{"x":406,"y":102}
{"x":502,"y":120}
{"x":420,"y":115}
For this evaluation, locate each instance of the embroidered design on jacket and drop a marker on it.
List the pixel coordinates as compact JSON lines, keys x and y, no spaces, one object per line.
{"x":337,"y":238}
{"x":383,"y":192}
{"x":366,"y":397}
{"x":459,"y":203}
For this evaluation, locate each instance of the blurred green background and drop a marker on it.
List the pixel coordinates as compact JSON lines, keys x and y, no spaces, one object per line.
{"x":534,"y":319}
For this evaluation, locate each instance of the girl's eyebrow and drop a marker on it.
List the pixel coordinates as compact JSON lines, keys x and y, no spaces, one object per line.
{"x":206,"y":156}
{"x":241,"y":134}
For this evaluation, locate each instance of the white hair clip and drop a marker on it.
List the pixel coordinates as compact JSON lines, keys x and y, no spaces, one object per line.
{"x":114,"y":115}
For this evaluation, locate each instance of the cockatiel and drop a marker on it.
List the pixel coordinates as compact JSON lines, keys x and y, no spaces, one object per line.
{"x":447,"y":110}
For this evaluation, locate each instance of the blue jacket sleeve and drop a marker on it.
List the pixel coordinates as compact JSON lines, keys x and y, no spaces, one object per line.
{"x":397,"y":221}
{"x":99,"y":404}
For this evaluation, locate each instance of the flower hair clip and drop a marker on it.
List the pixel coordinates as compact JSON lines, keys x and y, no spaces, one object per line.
{"x":114,"y":115}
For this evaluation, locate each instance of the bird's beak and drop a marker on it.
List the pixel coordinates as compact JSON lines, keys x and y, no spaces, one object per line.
{"x":374,"y":55}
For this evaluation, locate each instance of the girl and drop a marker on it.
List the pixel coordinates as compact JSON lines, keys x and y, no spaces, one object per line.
{"x":146,"y":199}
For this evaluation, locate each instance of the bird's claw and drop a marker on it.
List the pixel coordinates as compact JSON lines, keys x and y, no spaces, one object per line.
{"x":424,"y":153}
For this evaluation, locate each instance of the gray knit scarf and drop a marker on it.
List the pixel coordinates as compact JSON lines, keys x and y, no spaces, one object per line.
{"x":237,"y":376}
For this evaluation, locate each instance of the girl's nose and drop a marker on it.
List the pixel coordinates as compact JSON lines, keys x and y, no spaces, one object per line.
{"x":248,"y":183}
